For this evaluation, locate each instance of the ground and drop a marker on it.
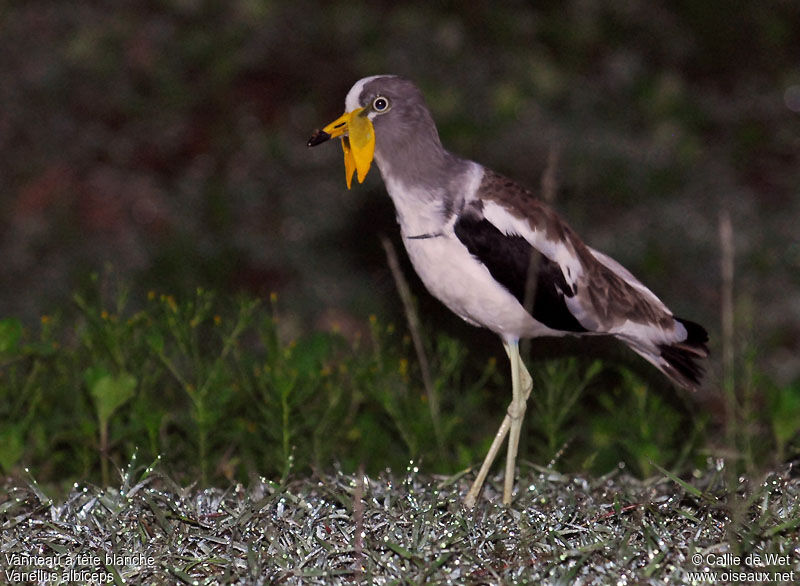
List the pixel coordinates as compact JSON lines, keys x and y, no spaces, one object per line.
{"x":410,"y":528}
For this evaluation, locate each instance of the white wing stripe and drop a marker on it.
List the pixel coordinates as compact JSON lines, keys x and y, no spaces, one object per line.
{"x":555,"y":250}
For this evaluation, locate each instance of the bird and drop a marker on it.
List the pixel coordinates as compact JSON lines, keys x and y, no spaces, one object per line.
{"x":480,"y":242}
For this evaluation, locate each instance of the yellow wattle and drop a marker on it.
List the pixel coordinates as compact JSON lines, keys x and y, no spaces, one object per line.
{"x":349,"y":161}
{"x":362,"y":142}
{"x":358,"y":142}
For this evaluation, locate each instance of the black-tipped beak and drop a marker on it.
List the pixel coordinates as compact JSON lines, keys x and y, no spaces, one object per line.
{"x":318,"y":137}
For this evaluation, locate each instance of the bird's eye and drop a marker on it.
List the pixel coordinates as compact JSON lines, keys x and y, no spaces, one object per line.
{"x":380,"y":104}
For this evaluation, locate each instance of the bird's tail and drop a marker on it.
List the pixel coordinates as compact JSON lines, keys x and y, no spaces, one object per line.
{"x":679,"y":360}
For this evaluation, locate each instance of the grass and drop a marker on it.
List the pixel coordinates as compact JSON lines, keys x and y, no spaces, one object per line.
{"x":412,"y":528}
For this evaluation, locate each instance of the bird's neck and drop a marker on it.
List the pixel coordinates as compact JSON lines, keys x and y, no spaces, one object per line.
{"x":427,"y":191}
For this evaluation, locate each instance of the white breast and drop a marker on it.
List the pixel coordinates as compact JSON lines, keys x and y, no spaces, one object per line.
{"x":466,"y":287}
{"x":449,"y":271}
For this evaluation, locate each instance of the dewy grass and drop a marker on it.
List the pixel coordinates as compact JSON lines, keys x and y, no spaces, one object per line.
{"x":410,"y":528}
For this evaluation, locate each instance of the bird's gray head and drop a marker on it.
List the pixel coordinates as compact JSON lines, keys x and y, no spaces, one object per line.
{"x":385,"y":118}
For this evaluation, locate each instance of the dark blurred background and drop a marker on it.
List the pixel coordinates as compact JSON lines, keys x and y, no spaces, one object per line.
{"x":167,"y":139}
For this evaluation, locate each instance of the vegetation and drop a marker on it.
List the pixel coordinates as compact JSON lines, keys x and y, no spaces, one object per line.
{"x":168,"y":139}
{"x":218,"y":390}
{"x":335,"y":528}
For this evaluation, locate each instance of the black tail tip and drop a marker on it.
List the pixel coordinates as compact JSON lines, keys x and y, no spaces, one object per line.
{"x":683,"y":357}
{"x":682,"y":366}
{"x":696,"y":335}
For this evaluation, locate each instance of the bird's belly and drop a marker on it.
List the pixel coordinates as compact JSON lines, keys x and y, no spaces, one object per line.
{"x":466,"y":287}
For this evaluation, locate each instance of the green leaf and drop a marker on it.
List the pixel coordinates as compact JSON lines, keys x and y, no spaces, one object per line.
{"x":10,"y":335}
{"x":110,"y":392}
{"x":786,"y":413}
{"x":156,"y":341}
{"x":11,"y":447}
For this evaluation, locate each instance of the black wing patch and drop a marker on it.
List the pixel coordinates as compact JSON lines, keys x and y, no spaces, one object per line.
{"x":508,"y":259}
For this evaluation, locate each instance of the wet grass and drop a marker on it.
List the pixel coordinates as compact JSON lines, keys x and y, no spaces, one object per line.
{"x":412,"y":528}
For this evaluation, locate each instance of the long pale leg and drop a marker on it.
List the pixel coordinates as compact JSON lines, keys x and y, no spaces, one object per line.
{"x":516,"y":412}
{"x":521,"y":389}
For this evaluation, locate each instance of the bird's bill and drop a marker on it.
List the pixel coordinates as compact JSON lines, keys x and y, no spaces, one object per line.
{"x":358,"y":142}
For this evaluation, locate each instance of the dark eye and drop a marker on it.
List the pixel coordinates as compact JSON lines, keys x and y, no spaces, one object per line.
{"x":380,"y":104}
